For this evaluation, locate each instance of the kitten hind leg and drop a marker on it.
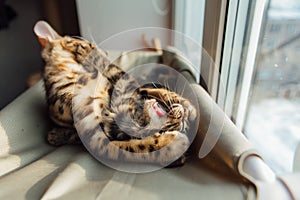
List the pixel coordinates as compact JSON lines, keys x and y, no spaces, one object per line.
{"x":59,"y":136}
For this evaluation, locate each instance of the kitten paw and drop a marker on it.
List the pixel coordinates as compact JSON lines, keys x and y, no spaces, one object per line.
{"x":61,"y":136}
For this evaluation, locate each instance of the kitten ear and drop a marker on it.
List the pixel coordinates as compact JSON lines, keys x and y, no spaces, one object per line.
{"x":45,"y":32}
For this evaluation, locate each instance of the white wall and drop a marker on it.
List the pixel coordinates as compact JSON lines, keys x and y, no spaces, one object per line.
{"x":101,"y":19}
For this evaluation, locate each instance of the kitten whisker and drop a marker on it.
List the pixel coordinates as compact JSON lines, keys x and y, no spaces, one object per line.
{"x":78,"y":37}
{"x":181,"y":93}
{"x":169,"y":97}
{"x":92,"y":37}
{"x":154,"y":84}
{"x":166,"y":104}
{"x":170,"y":100}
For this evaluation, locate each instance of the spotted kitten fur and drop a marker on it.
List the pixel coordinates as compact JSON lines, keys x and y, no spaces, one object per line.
{"x":91,"y":97}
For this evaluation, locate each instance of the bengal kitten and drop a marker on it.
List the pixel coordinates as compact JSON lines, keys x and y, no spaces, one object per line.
{"x":90,"y":96}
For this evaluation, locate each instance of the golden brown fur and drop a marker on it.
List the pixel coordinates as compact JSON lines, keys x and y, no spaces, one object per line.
{"x":116,"y":119}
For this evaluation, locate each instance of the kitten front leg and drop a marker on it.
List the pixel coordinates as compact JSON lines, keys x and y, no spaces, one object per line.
{"x":59,"y":136}
{"x":159,"y":148}
{"x":145,"y":145}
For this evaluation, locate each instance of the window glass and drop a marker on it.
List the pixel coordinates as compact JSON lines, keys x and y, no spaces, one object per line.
{"x":273,"y":114}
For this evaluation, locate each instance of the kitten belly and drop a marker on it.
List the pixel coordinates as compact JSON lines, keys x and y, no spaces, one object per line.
{"x":90,"y":101}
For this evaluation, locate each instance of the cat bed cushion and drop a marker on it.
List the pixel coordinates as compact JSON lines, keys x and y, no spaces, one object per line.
{"x":32,"y":169}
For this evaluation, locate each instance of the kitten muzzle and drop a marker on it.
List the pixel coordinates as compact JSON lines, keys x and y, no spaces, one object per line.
{"x":158,"y":109}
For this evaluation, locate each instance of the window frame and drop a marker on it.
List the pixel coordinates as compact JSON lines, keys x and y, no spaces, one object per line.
{"x":182,"y":22}
{"x":232,"y":50}
{"x":213,"y":39}
{"x":238,"y":62}
{"x":224,"y":33}
{"x":211,"y":18}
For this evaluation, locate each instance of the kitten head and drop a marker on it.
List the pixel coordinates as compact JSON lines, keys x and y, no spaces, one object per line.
{"x":168,"y":111}
{"x":166,"y":117}
{"x":156,"y":111}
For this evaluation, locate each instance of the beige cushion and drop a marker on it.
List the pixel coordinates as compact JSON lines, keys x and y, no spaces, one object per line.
{"x":32,"y":169}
